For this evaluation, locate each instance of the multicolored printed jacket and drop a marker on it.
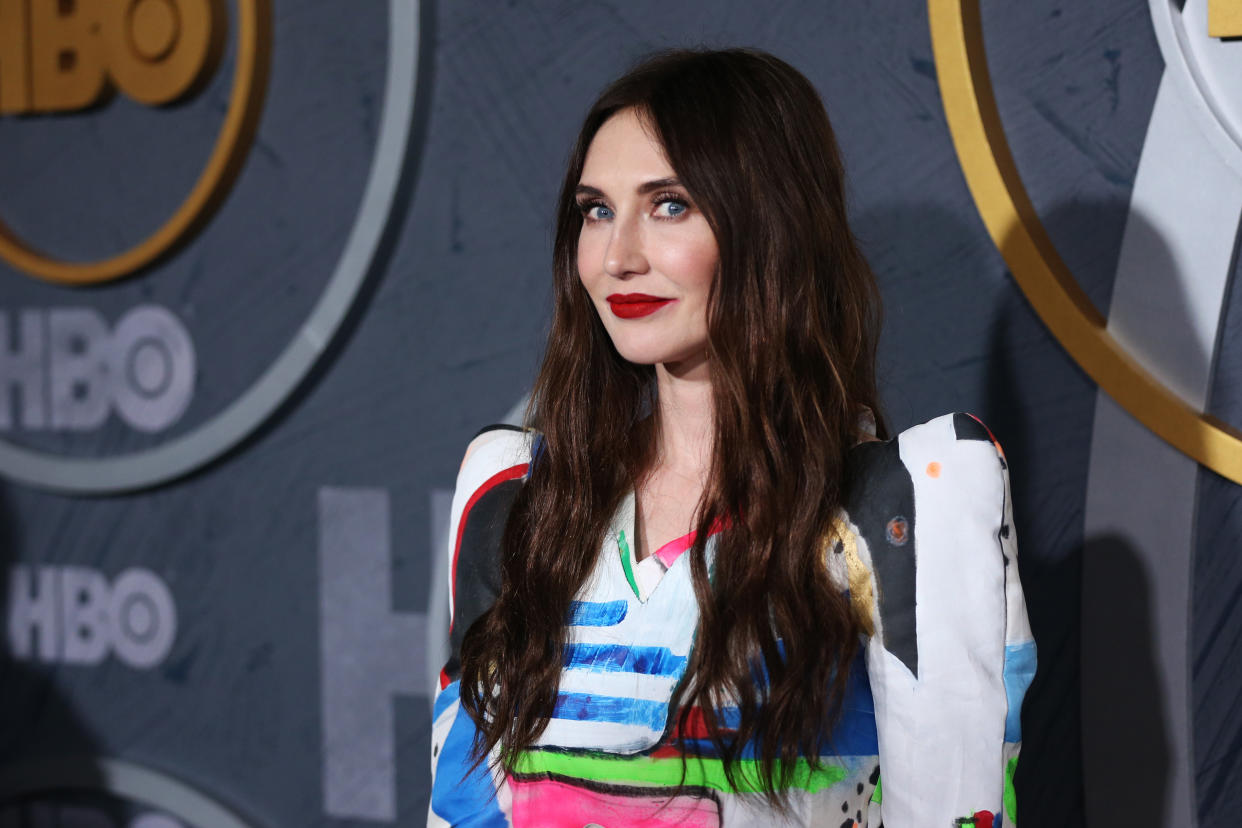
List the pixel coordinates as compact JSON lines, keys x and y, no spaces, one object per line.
{"x":926,"y":549}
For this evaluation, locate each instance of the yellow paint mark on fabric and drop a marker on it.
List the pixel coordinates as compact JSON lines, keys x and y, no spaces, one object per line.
{"x":862,"y":596}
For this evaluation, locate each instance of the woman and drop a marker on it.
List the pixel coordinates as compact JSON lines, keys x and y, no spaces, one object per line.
{"x":706,"y":588}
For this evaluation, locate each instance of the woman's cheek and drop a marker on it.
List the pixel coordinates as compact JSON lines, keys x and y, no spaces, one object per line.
{"x":588,"y":262}
{"x":690,"y":257}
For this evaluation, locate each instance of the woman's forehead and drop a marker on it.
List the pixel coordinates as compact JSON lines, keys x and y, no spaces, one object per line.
{"x":624,"y":153}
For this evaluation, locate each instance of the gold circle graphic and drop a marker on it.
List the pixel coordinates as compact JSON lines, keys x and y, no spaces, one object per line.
{"x":1011,"y":220}
{"x":236,"y":133}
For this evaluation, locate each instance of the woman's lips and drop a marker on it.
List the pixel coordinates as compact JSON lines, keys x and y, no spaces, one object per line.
{"x":634,"y":305}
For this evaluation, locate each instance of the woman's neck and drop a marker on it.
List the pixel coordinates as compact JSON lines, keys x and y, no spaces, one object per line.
{"x":685,"y":416}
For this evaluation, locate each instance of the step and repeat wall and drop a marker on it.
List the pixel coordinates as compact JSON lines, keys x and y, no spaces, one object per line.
{"x":267,"y":265}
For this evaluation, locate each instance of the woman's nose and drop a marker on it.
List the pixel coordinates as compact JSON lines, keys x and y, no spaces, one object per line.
{"x":624,"y":255}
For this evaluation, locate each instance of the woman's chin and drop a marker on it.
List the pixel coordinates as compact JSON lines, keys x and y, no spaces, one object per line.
{"x":676,"y":360}
{"x":641,"y":356}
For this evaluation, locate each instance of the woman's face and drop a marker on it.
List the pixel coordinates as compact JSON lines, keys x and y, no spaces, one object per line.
{"x":646,"y":255}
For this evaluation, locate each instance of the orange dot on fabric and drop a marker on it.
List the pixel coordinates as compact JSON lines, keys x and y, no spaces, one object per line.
{"x":933,"y":469}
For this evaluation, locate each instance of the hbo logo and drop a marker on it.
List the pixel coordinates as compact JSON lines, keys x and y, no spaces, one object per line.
{"x":59,"y":55}
{"x":68,"y":370}
{"x":72,"y":614}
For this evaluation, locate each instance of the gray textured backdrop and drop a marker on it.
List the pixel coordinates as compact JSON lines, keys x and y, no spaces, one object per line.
{"x":449,"y":328}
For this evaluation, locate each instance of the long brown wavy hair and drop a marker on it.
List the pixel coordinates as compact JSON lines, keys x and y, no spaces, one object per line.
{"x":793,"y":321}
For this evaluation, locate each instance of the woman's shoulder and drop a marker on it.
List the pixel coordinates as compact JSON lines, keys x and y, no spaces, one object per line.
{"x":956,"y":442}
{"x":493,"y":468}
{"x":496,"y":449}
{"x":948,"y":466}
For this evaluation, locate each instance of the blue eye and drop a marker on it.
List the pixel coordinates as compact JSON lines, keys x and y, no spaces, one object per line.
{"x":671,"y":206}
{"x":594,"y":211}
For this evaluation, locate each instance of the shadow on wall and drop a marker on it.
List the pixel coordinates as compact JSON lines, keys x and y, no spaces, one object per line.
{"x":1102,"y":588}
{"x":43,"y":741}
{"x":1126,"y":745}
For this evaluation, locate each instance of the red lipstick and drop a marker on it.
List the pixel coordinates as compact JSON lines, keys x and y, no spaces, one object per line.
{"x":634,"y":305}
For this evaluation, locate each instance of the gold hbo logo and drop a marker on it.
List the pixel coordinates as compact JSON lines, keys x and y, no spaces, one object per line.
{"x":61,"y":56}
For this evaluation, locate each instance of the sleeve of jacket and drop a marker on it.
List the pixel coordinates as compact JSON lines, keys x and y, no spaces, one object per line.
{"x":492,"y":472}
{"x":951,"y":654}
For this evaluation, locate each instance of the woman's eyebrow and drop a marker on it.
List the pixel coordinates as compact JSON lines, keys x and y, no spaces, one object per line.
{"x":644,"y":188}
{"x":658,"y":184}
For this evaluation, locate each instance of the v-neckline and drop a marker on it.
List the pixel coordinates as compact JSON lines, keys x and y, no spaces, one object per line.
{"x":645,"y":575}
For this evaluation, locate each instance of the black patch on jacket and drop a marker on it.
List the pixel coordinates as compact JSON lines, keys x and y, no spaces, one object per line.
{"x":966,"y":427}
{"x":477,"y":584}
{"x":880,"y":502}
